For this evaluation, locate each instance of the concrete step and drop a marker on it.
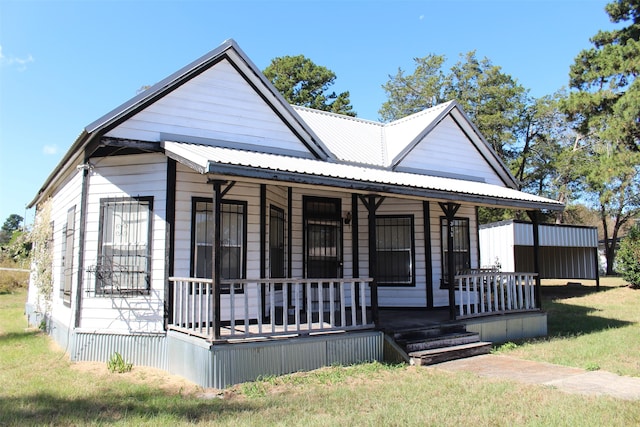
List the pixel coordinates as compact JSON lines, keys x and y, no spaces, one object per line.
{"x":444,"y":340}
{"x":443,"y":354}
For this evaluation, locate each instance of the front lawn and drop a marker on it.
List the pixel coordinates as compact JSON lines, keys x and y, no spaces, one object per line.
{"x":39,"y":386}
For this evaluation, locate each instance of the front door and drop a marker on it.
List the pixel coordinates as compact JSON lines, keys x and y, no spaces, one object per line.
{"x":323,"y":244}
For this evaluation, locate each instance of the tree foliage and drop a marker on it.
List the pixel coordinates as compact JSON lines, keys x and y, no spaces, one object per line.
{"x":306,"y":84}
{"x":11,"y":224}
{"x":607,"y":100}
{"x":629,"y":257}
{"x":605,"y":105}
{"x":492,"y":99}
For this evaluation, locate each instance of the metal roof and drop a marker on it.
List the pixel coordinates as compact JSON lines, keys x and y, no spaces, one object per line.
{"x":368,"y":142}
{"x":207,"y":159}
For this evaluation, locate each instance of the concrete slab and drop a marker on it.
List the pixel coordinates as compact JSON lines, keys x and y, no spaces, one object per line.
{"x":567,"y":379}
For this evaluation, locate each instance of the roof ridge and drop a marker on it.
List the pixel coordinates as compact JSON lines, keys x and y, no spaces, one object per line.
{"x":414,"y":116}
{"x":337,"y":115}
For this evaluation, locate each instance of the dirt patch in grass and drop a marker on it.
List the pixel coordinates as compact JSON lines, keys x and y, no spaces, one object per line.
{"x":157,"y":378}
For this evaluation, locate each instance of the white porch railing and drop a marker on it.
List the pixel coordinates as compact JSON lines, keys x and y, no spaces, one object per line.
{"x":487,"y":293}
{"x":270,"y":307}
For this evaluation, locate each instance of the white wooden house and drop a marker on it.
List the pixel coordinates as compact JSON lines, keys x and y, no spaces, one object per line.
{"x":209,"y":228}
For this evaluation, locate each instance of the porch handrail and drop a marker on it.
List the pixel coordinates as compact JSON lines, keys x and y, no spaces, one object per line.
{"x":483,"y":293}
{"x":270,"y":307}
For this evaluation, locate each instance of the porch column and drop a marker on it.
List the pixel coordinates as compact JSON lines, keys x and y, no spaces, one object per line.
{"x":535,"y":220}
{"x":215,"y":261}
{"x":370,"y":204}
{"x":355,"y":245}
{"x":450,"y":209}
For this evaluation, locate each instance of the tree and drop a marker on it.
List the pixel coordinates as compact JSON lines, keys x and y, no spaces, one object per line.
{"x":411,"y":93}
{"x":629,"y":257}
{"x":11,"y":224}
{"x":606,"y":108}
{"x":607,"y":100}
{"x":306,"y":84}
{"x":492,"y":99}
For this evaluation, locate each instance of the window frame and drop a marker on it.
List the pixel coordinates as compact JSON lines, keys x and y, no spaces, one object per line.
{"x":67,"y":252}
{"x":444,"y":280}
{"x":412,"y":250}
{"x":277,"y":215}
{"x":314,"y":219}
{"x":100,"y":271}
{"x":194,"y":242}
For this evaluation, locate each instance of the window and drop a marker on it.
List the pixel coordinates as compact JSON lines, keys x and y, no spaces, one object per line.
{"x":67,"y":256}
{"x":323,"y":237}
{"x":124,"y":249}
{"x":233,"y":239}
{"x":460,"y":251}
{"x":395,"y":251}
{"x":276,"y":243}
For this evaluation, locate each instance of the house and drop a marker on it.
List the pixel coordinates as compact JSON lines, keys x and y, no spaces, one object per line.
{"x":208,"y":228}
{"x":565,"y":251}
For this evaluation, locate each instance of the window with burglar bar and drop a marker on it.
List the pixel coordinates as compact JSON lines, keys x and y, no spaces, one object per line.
{"x":395,"y":251}
{"x":460,"y":251}
{"x":232,"y":240}
{"x":124,"y":251}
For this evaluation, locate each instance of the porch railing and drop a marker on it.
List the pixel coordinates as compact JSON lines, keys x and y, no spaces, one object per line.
{"x":270,"y":307}
{"x":489,"y":293}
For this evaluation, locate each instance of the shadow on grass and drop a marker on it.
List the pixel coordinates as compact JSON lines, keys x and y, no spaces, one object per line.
{"x":45,"y":408}
{"x":16,"y":336}
{"x":565,"y":319}
{"x":569,"y":320}
{"x":553,"y":292}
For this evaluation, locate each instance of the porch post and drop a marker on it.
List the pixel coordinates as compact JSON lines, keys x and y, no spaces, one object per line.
{"x":170,"y":209}
{"x":373,"y":257}
{"x":535,"y":220}
{"x":215,"y":262}
{"x":427,"y":252}
{"x":450,"y":209}
{"x":355,"y":246}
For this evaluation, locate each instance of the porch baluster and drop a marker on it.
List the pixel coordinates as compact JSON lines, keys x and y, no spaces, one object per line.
{"x":332,"y":304}
{"x":363,"y":303}
{"x":272,"y":305}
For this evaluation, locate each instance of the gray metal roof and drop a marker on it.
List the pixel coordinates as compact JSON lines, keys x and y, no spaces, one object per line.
{"x":207,"y":159}
{"x":355,"y":140}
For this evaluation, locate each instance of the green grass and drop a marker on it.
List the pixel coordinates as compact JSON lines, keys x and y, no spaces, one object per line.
{"x":588,"y":329}
{"x":39,"y":386}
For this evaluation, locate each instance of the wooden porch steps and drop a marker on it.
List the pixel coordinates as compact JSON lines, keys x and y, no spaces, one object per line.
{"x":444,"y":354}
{"x":435,"y":344}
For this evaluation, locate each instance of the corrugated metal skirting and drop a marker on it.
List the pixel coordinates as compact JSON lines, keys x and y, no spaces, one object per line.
{"x":222,"y":365}
{"x":138,"y":349}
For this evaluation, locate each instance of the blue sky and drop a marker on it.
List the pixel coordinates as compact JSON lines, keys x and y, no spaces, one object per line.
{"x":64,"y":64}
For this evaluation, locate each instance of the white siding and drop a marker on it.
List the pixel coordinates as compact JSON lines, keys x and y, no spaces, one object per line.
{"x":120,"y":176}
{"x":216,"y":105}
{"x":447,"y":151}
{"x":67,"y":196}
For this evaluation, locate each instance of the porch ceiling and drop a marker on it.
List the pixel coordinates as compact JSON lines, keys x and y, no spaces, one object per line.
{"x":207,"y":159}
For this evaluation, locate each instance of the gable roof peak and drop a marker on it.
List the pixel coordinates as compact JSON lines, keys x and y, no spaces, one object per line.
{"x":336,"y":115}
{"x":444,"y":108}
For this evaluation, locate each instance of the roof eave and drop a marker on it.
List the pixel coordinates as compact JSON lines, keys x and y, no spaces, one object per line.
{"x":369,"y":187}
